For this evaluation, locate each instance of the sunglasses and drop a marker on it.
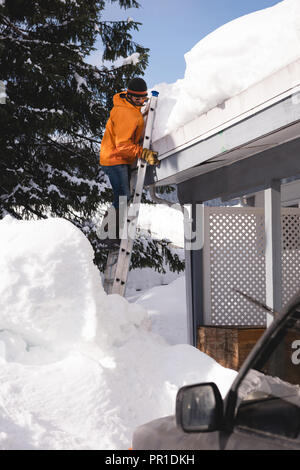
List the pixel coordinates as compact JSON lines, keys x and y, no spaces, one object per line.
{"x":145,"y":97}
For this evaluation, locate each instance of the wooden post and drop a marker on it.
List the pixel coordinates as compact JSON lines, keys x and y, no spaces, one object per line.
{"x":273,"y":248}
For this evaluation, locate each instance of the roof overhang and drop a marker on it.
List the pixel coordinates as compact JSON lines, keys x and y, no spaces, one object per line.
{"x":260,"y":118}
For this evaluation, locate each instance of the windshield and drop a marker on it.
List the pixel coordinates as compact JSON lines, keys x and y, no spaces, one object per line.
{"x":277,"y":375}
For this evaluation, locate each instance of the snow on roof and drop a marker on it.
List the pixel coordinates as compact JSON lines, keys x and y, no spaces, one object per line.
{"x":270,"y":90}
{"x":227,"y":61}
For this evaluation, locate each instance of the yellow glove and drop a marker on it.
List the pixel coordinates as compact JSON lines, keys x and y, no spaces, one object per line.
{"x":150,"y":156}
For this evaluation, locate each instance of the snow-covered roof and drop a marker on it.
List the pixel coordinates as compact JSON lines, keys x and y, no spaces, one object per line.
{"x":262,"y":116}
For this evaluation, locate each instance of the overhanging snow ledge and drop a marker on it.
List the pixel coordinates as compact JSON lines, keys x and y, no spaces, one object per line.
{"x":261,"y":117}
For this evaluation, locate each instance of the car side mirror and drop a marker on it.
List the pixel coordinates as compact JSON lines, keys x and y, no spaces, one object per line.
{"x":199,"y":408}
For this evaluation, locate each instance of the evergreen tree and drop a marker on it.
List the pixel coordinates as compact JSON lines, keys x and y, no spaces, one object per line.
{"x":57,"y":106}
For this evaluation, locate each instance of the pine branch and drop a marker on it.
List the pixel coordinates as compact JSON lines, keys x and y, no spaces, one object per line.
{"x":85,"y":138}
{"x":69,"y":47}
{"x":14,"y":27}
{"x":33,"y":211}
{"x":124,"y":22}
{"x":60,"y":145}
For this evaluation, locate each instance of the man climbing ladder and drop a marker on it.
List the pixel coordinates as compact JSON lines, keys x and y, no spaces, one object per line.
{"x":128,"y":150}
{"x":120,"y":146}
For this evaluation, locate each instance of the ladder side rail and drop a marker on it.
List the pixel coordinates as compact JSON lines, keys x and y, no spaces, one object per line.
{"x":109,"y":273}
{"x":126,"y":245}
{"x":123,"y":263}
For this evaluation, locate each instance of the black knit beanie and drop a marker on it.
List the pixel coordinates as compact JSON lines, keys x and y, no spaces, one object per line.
{"x":137,"y":87}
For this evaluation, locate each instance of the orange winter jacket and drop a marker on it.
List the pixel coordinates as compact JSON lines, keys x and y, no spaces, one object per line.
{"x":120,"y":143}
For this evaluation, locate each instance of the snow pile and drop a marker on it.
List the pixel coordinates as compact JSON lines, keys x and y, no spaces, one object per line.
{"x":162,"y":222}
{"x":37,"y":262}
{"x":166,"y":306}
{"x":229,"y":60}
{"x":80,"y":369}
{"x":142,"y":279}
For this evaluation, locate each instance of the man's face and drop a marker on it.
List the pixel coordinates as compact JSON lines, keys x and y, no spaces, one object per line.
{"x":138,"y":100}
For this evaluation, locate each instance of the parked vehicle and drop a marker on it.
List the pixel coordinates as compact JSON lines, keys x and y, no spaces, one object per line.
{"x":260,"y":411}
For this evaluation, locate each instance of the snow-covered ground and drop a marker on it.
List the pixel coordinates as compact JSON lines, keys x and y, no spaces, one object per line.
{"x":228,"y":61}
{"x":80,"y":369}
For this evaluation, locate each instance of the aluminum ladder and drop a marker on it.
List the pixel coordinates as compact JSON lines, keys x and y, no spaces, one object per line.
{"x":118,"y":261}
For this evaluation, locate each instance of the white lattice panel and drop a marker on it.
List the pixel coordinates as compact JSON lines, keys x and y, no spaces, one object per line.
{"x":290,"y":223}
{"x":234,"y":257}
{"x":234,"y":251}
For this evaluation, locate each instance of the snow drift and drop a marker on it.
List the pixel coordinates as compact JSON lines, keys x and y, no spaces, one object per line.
{"x":37,"y":262}
{"x":79,"y":369}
